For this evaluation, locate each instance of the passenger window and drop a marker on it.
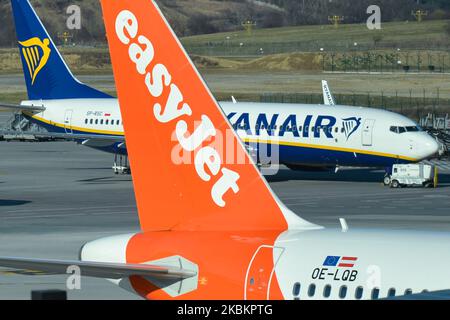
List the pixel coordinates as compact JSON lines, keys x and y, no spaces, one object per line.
{"x":342,"y":130}
{"x":391,"y":292}
{"x":401,"y":130}
{"x":296,"y":290}
{"x":359,"y":293}
{"x":327,"y":291}
{"x":343,"y":292}
{"x":408,"y":292}
{"x":85,"y":121}
{"x":92,"y":121}
{"x":312,"y":129}
{"x":375,"y":293}
{"x":96,"y":121}
{"x":101,"y":121}
{"x":118,"y":122}
{"x":300,"y":128}
{"x":107,"y":122}
{"x":311,"y":290}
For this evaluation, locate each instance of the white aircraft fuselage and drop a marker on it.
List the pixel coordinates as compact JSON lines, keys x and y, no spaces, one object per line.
{"x":303,"y":135}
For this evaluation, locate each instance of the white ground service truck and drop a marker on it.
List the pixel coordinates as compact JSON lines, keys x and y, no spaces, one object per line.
{"x":410,"y":175}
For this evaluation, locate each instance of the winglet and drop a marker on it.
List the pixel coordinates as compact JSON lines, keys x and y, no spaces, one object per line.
{"x":328,"y":97}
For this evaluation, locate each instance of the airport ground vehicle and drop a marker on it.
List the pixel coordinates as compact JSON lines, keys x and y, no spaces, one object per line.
{"x":404,"y":175}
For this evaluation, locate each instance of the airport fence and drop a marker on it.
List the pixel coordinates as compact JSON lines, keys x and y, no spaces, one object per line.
{"x":409,"y":104}
{"x":238,"y":48}
{"x":387,"y":61}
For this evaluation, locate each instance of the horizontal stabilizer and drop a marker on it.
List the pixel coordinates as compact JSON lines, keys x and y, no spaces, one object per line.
{"x":14,"y":107}
{"x":97,"y":269}
{"x":89,"y":139}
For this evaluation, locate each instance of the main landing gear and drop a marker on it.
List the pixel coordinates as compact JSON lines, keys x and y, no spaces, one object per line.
{"x":121,"y":165}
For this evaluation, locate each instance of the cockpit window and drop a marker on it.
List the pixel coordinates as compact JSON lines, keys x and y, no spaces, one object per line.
{"x":396,"y":129}
{"x":413,"y":129}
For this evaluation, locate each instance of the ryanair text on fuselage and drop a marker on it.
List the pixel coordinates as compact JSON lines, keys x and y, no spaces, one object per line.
{"x":308,"y":126}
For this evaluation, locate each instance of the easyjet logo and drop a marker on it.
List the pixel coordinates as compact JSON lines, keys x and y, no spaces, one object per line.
{"x":208,"y":162}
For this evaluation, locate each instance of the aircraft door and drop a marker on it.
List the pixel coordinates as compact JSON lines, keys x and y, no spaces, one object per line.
{"x":260,"y":272}
{"x":68,"y":121}
{"x":367,"y":133}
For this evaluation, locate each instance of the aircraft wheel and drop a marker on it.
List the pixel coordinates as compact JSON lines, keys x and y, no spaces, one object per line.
{"x":395,"y":184}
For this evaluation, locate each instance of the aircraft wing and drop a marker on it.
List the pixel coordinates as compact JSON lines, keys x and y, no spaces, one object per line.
{"x":91,"y":137}
{"x":94,"y":269}
{"x":328,"y":98}
{"x":14,"y":107}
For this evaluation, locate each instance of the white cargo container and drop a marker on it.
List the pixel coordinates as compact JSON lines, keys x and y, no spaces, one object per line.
{"x":406,"y":175}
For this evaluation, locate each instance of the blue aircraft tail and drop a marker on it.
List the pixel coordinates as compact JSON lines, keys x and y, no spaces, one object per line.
{"x":47,"y":76}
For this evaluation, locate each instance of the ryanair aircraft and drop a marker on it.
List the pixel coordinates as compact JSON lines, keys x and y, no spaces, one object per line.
{"x":302,"y":136}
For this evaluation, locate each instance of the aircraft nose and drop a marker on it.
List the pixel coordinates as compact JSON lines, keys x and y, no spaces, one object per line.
{"x":429,"y":147}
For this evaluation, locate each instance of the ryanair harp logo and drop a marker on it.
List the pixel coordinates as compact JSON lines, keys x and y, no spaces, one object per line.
{"x":350,"y":126}
{"x":36,"y":53}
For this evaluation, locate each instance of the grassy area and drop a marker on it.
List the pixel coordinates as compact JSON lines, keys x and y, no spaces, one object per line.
{"x":81,"y":60}
{"x":17,"y":97}
{"x":96,"y":61}
{"x":426,"y":35}
{"x":13,"y":97}
{"x":249,"y":77}
{"x":289,"y":49}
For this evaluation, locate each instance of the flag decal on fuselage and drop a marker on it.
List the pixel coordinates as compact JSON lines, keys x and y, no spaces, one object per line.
{"x":338,"y":261}
{"x":36,"y":53}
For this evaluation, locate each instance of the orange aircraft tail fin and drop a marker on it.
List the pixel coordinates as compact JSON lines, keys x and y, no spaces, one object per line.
{"x":190,"y":170}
